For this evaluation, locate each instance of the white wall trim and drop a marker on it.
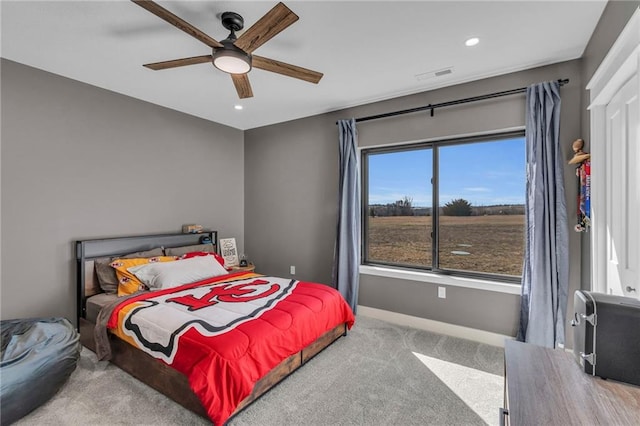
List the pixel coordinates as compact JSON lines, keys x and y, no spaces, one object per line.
{"x":616,"y":65}
{"x":621,"y":63}
{"x":598,"y":200}
{"x":440,"y":279}
{"x":461,"y":332}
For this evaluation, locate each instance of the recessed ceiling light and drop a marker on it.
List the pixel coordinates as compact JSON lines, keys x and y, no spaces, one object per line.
{"x":238,"y":107}
{"x":472,"y":41}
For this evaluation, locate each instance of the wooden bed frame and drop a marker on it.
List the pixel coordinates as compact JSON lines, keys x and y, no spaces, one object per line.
{"x":144,"y":367}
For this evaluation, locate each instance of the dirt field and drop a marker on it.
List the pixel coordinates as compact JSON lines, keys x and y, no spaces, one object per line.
{"x":495,"y":244}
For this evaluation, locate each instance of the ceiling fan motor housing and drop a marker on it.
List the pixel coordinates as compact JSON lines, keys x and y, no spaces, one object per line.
{"x":229,"y":58}
{"x":232,"y":21}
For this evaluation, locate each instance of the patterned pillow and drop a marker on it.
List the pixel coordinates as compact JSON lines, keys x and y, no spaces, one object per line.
{"x":128,"y":283}
{"x":107,"y":278}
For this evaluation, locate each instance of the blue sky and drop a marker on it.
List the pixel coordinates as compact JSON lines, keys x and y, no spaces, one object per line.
{"x":482,"y":173}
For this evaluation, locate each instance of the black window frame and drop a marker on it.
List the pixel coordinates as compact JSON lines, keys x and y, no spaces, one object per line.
{"x":434,"y":145}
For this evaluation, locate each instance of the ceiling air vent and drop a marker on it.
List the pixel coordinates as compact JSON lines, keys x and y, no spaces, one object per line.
{"x":436,"y":73}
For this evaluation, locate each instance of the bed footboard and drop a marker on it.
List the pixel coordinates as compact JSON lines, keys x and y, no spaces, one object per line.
{"x":175,"y":385}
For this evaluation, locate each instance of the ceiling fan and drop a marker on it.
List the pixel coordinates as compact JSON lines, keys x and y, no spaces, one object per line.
{"x":233,"y":55}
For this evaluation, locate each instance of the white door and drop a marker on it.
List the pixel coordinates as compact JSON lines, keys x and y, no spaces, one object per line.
{"x":622,"y":191}
{"x":615,"y":159}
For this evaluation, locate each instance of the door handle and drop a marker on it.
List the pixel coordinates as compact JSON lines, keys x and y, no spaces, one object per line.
{"x":630,"y":289}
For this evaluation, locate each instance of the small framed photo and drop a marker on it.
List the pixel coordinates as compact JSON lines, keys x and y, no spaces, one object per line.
{"x":229,"y":251}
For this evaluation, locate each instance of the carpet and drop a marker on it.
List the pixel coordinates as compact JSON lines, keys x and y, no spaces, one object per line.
{"x":379,"y":374}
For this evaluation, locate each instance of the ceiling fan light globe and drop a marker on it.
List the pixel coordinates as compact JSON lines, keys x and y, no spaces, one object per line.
{"x":230,"y":59}
{"x":231,"y":64}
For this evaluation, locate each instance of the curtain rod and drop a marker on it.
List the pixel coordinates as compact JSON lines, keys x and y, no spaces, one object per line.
{"x":432,"y":107}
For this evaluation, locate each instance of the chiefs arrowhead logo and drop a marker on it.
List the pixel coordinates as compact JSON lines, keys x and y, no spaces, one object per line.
{"x":232,"y":293}
{"x":157,"y":323}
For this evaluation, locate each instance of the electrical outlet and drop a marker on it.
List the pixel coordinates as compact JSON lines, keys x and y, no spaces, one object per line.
{"x":292,"y":270}
{"x":442,"y":292}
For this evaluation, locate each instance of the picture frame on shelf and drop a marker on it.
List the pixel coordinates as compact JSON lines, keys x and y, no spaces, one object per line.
{"x":229,"y":251}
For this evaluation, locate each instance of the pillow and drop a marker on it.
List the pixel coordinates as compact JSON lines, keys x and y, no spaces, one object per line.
{"x":219,"y":258}
{"x":179,"y":251}
{"x":107,"y":278}
{"x":128,"y":283}
{"x":173,"y":274}
{"x":106,"y":275}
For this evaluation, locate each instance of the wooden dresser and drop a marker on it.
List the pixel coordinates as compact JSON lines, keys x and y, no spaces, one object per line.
{"x":547,"y":387}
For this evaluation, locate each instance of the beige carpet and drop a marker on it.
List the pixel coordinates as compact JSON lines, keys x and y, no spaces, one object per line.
{"x":379,"y":374}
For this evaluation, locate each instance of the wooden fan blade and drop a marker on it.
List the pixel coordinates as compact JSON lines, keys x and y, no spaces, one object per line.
{"x":243,"y":87}
{"x":156,"y":66}
{"x":286,"y":69}
{"x":177,"y":22}
{"x":274,"y":21}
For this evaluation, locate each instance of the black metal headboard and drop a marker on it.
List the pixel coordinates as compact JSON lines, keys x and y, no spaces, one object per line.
{"x":112,"y":247}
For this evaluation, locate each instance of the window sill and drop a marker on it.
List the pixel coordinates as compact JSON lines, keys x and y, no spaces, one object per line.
{"x":432,"y":278}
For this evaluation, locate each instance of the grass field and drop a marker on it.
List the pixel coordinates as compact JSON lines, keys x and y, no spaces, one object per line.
{"x":495,"y":244}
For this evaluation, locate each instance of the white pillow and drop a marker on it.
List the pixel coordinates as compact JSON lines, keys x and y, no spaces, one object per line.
{"x":172,"y":274}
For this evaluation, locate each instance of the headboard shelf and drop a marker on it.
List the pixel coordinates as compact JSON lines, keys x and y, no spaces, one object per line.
{"x":122,"y":245}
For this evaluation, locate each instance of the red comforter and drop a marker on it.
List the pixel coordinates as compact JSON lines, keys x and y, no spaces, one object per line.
{"x":228,"y":332}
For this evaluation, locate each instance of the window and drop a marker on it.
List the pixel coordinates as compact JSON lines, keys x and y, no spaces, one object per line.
{"x":478,"y":186}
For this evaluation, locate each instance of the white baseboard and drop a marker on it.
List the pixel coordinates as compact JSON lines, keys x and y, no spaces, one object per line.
{"x":480,"y":336}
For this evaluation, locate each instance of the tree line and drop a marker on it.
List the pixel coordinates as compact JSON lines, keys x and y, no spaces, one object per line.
{"x":457,"y":207}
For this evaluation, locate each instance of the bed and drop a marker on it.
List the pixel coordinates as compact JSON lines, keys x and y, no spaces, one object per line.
{"x":191,"y":339}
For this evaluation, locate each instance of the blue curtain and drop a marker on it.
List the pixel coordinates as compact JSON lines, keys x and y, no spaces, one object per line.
{"x":347,"y":248}
{"x":545,"y":278}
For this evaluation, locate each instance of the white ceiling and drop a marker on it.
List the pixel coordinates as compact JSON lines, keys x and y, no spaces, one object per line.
{"x":367,"y":50}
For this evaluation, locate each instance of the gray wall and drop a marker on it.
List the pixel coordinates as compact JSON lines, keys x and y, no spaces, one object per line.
{"x":614,"y":18}
{"x":291,"y":174}
{"x":290,"y":197}
{"x":81,"y":162}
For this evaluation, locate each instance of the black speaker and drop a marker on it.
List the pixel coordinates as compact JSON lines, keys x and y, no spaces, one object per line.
{"x":606,"y":337}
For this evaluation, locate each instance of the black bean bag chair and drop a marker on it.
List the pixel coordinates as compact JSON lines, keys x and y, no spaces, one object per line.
{"x":38,"y":356}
